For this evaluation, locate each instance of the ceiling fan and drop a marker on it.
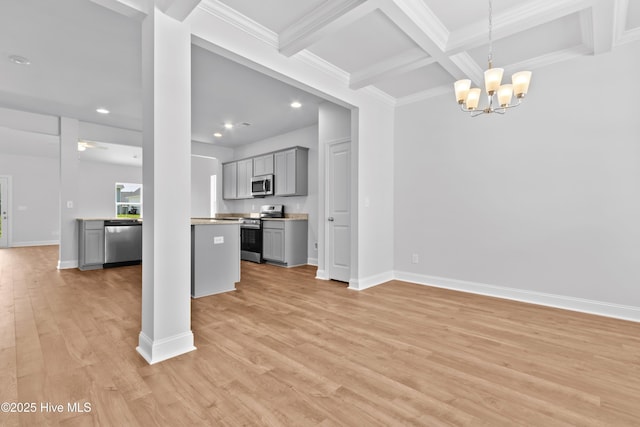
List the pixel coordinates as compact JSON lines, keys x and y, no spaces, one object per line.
{"x":84,"y":144}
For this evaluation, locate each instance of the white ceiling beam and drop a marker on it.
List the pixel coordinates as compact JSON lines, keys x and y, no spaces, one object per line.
{"x":391,"y":67}
{"x":514,"y":21}
{"x":136,"y":9}
{"x":403,"y":13}
{"x":603,"y":16}
{"x":177,"y":9}
{"x":329,"y":17}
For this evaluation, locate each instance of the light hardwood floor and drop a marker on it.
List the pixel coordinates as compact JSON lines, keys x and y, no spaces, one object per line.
{"x":286,"y":349}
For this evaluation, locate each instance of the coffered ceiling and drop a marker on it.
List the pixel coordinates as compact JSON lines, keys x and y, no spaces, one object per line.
{"x":414,"y":49}
{"x":86,"y":53}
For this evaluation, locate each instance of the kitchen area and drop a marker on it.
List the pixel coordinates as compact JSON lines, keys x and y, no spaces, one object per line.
{"x":263,"y":233}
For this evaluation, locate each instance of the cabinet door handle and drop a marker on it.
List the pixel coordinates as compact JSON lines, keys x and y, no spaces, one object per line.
{"x":330,"y":219}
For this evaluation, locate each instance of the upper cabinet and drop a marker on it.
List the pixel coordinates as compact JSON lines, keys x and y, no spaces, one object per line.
{"x":230,"y":180}
{"x":291,"y":172}
{"x":263,"y":165}
{"x":236,"y":179}
{"x":245,"y":173}
{"x":289,"y":169}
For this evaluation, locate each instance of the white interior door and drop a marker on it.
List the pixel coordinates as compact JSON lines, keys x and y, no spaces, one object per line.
{"x":4,"y":212}
{"x":339,"y":212}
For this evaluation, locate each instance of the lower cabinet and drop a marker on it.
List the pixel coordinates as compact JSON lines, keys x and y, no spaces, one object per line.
{"x":284,"y":242}
{"x":90,"y":244}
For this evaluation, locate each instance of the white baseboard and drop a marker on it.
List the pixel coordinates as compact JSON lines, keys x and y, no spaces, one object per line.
{"x":371,"y":281}
{"x":322,"y":275}
{"x":617,"y":311}
{"x":63,"y":265}
{"x":166,"y":348}
{"x":36,"y":243}
{"x":312,"y":261}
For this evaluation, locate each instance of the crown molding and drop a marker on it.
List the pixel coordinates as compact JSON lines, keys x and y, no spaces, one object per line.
{"x":333,"y":13}
{"x":531,"y":14}
{"x":240,"y":21}
{"x":424,"y":95}
{"x":404,"y":62}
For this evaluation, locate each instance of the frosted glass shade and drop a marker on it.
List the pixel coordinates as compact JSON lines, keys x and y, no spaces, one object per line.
{"x":492,"y":79}
{"x":521,"y":82}
{"x":504,"y":94}
{"x":473,"y":98}
{"x":462,"y":89}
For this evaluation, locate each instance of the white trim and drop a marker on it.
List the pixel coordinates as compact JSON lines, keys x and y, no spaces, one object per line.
{"x":371,"y":281}
{"x":165,"y":348}
{"x":240,"y":21}
{"x":322,"y":275}
{"x":9,"y":206}
{"x":214,"y":293}
{"x":35,"y":243}
{"x":582,"y":305}
{"x":63,"y":265}
{"x":312,"y":261}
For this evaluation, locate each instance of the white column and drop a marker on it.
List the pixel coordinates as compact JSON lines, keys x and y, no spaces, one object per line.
{"x":68,"y":248}
{"x":166,"y":177}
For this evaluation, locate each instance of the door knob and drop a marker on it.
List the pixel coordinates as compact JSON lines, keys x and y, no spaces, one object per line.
{"x":330,"y":219}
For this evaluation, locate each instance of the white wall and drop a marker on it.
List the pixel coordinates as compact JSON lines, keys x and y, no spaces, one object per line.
{"x":34,"y":210}
{"x":305,"y":137}
{"x":96,"y":189}
{"x":201,"y":170}
{"x":543,"y":202}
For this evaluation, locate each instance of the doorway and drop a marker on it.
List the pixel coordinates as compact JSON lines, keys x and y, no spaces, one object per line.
{"x":5,"y":182}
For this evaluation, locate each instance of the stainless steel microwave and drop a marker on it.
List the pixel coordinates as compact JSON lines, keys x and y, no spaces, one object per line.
{"x":262,"y":185}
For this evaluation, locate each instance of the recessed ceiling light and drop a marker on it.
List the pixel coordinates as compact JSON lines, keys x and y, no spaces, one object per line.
{"x":228,"y":125}
{"x":102,"y":110}
{"x":20,"y":60}
{"x":217,"y":135}
{"x":296,"y":104}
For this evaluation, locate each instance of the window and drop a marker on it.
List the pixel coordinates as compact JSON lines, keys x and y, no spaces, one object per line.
{"x":128,"y":200}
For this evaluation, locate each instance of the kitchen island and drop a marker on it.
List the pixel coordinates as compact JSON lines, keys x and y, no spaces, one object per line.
{"x":215,"y":256}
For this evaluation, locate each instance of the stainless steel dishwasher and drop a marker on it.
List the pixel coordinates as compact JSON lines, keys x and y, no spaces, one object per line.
{"x":122,"y":242}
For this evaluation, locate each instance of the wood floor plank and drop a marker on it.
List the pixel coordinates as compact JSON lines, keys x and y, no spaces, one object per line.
{"x":286,"y":349}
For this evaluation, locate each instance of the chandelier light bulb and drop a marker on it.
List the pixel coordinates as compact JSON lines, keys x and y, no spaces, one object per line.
{"x":505,"y":92}
{"x":492,"y":79}
{"x":473,"y":98}
{"x":521,"y":82}
{"x":462,"y":89}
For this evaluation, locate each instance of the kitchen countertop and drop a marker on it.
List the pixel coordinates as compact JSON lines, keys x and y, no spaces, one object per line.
{"x":213,"y":221}
{"x":287,"y":216}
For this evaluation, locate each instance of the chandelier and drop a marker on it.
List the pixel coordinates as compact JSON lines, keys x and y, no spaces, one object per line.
{"x":468,"y":98}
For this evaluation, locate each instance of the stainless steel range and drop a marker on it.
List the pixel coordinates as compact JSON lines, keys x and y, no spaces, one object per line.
{"x":251,"y":232}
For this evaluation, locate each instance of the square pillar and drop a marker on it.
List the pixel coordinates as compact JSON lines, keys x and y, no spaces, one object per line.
{"x":166,"y":177}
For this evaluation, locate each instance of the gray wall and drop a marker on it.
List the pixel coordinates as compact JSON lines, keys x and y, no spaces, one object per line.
{"x":545,"y":199}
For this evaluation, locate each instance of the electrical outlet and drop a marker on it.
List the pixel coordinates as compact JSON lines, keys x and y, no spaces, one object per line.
{"x":315,"y":245}
{"x":217,"y":240}
{"x":415,"y":259}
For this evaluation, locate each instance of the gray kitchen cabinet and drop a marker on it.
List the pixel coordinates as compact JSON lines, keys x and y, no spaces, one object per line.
{"x":230,"y":180}
{"x":245,"y":173}
{"x":263,"y":165}
{"x":284,"y":242}
{"x":90,"y":244}
{"x":236,"y":179}
{"x":215,"y":258}
{"x":291,"y":172}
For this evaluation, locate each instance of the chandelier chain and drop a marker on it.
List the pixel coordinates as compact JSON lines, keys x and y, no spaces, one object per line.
{"x":490,"y":57}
